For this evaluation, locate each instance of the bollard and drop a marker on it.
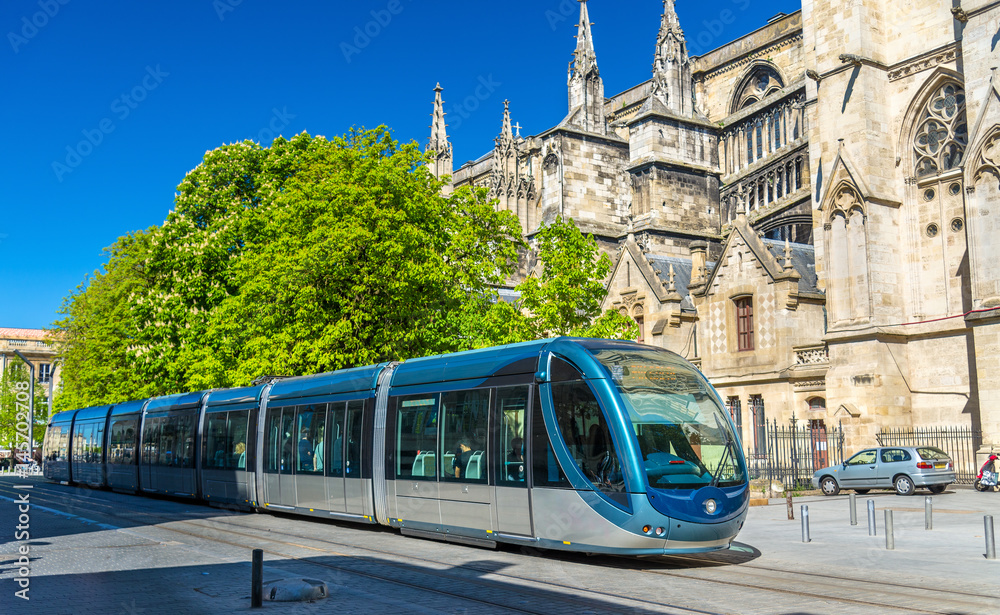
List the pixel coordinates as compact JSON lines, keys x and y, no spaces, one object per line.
{"x":257,"y":580}
{"x":805,"y":524}
{"x":854,"y":509}
{"x":788,"y":505}
{"x":871,"y":518}
{"x":890,"y":539}
{"x":991,"y":545}
{"x":928,"y":513}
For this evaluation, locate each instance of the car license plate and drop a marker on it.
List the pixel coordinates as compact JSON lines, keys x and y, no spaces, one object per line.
{"x":940,"y":466}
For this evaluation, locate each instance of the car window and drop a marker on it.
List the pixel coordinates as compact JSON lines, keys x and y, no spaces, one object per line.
{"x":930,"y":452}
{"x":893,"y":455}
{"x":862,"y":458}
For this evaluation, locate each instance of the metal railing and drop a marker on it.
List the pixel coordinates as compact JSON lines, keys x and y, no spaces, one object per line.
{"x":791,"y":454}
{"x":961,"y":444}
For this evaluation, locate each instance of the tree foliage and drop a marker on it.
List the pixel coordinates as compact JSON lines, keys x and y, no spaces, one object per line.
{"x":14,"y":395}
{"x":307,"y":256}
{"x":564,"y":298}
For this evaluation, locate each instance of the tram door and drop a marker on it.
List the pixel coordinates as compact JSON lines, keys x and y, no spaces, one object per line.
{"x":512,"y":496}
{"x":334,"y":461}
{"x":279,"y":446}
{"x":310,"y":436}
{"x":464,"y":489}
{"x":354,"y":490}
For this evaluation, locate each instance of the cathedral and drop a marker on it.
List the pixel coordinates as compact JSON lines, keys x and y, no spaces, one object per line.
{"x":809,"y":213}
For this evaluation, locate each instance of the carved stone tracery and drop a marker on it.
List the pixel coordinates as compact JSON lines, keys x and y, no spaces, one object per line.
{"x":942,"y":134}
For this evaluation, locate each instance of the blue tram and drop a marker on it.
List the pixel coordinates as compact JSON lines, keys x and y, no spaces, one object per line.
{"x":586,"y":445}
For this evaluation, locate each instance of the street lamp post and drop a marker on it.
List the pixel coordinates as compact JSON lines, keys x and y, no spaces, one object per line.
{"x":31,"y":404}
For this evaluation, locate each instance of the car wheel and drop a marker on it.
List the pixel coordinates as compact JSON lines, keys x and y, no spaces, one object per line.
{"x":861,"y":491}
{"x":937,"y":488}
{"x":829,"y":486}
{"x":903,"y":484}
{"x":978,"y":484}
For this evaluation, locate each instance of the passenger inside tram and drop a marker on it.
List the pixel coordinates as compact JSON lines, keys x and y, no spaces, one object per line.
{"x":464,"y":452}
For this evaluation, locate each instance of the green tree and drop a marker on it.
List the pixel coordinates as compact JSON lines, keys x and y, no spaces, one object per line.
{"x":564,"y":298}
{"x":361,"y":260}
{"x":14,"y":395}
{"x":310,"y":255}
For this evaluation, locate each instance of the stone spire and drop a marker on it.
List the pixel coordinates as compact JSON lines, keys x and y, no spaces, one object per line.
{"x":441,"y":163}
{"x":672,"y":80}
{"x":586,"y":88}
{"x":506,"y":132}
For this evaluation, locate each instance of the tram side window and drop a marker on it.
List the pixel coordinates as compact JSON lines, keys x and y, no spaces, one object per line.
{"x":355,"y":416}
{"x":151,"y":440}
{"x":280,"y":440}
{"x":122,"y":441}
{"x":177,"y":440}
{"x":512,"y":414}
{"x":466,"y":416}
{"x":416,"y":437}
{"x":586,"y":433}
{"x":237,"y":438}
{"x":214,"y":456}
{"x":545,"y":466}
{"x":272,"y":440}
{"x":81,"y":443}
{"x":311,"y":430}
{"x":97,"y":450}
{"x":50,"y":445}
{"x":335,"y":464}
{"x":60,"y":444}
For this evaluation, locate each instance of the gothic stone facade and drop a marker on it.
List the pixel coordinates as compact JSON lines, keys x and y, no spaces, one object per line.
{"x":811,"y":213}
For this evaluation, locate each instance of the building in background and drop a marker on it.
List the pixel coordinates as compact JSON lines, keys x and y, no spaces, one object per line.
{"x":811,"y":212}
{"x":32,"y":344}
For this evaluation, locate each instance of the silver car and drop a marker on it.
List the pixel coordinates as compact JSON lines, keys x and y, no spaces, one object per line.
{"x":903,"y":468}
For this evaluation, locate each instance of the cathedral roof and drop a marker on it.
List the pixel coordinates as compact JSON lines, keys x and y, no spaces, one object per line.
{"x":682,"y":275}
{"x":803,"y":261}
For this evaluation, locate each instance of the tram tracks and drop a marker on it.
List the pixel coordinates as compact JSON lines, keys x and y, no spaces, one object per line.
{"x":200,"y":530}
{"x":753,"y":578}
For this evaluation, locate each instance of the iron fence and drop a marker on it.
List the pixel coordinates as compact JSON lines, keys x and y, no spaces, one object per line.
{"x":791,"y":454}
{"x":961,"y":444}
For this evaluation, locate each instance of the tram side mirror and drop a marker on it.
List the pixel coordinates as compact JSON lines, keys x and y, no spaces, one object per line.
{"x":540,"y":377}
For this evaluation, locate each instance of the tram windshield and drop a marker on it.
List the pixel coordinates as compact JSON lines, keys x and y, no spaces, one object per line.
{"x":683,"y":433}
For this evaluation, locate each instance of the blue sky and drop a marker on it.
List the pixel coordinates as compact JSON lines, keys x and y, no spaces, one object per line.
{"x":107,"y":108}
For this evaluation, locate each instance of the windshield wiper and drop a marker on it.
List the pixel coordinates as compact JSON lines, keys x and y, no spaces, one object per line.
{"x":729,"y":450}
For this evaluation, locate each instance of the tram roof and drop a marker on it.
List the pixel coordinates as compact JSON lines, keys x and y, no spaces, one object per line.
{"x":178,"y":401}
{"x":521,"y":358}
{"x":129,"y":407}
{"x":95,"y":412}
{"x":65,"y":416}
{"x":242,"y":395}
{"x":331,"y":383}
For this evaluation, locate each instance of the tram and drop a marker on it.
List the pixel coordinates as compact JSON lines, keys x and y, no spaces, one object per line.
{"x":587,"y":445}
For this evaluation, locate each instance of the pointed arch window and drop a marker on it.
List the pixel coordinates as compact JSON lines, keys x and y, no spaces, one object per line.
{"x":757,"y":86}
{"x":942,"y":133}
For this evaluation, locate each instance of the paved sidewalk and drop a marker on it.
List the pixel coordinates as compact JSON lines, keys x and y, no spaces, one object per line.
{"x":952,"y":552}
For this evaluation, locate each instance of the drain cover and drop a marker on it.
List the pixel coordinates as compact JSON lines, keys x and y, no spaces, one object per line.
{"x":295,"y":590}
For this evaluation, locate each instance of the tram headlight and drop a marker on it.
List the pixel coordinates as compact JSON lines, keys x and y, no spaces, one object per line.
{"x":660,"y":531}
{"x":711,"y":506}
